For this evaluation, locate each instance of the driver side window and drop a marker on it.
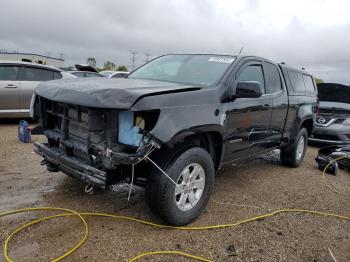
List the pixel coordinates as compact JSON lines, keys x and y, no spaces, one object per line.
{"x":252,"y":73}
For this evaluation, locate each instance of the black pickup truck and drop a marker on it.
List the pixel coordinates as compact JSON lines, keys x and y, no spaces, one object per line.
{"x":172,"y":123}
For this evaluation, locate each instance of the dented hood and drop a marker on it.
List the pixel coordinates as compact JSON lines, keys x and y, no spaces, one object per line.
{"x":119,"y":93}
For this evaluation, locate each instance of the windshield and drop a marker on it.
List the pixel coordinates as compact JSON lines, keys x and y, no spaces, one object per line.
{"x":201,"y":70}
{"x":333,"y":93}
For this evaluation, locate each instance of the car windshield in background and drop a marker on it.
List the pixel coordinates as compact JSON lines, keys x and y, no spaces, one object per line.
{"x":333,"y":93}
{"x":203,"y":70}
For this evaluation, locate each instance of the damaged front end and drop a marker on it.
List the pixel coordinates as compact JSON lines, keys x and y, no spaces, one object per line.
{"x":93,"y":144}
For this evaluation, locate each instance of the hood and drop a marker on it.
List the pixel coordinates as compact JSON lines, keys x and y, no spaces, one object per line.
{"x":334,"y":108}
{"x":121,"y":93}
{"x":334,"y":105}
{"x":87,"y":68}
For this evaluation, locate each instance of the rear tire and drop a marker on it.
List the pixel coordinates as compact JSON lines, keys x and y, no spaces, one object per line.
{"x":294,"y":153}
{"x":193,"y":171}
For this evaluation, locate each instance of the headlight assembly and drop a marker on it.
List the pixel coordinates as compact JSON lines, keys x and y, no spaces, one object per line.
{"x":140,"y":122}
{"x":133,"y":126}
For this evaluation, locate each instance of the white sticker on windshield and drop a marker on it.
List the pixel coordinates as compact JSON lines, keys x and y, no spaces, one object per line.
{"x":221,"y":59}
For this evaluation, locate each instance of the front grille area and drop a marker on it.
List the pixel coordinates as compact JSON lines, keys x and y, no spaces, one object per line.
{"x":76,"y":121}
{"x":79,"y":131}
{"x":324,"y":120}
{"x":82,"y":142}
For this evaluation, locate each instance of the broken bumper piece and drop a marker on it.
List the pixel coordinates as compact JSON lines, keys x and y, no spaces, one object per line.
{"x":79,"y":169}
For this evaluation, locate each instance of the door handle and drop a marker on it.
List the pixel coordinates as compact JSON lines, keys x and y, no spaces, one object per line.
{"x":11,"y":86}
{"x":267,"y":106}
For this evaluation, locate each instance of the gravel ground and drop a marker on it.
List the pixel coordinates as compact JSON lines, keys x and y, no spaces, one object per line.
{"x":260,"y":186}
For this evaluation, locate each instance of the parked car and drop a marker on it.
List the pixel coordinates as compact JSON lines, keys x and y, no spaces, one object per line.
{"x":119,"y":74}
{"x":332,"y":125}
{"x":17,"y":83}
{"x":107,"y":73}
{"x":85,"y":74}
{"x":83,"y":70}
{"x":187,"y":115}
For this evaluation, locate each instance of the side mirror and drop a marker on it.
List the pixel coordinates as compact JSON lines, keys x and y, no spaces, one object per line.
{"x":248,"y":89}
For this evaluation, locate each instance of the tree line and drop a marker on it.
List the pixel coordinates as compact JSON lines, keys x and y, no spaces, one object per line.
{"x":108,"y":65}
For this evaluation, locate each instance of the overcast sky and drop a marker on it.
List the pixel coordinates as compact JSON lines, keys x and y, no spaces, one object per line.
{"x":311,"y":33}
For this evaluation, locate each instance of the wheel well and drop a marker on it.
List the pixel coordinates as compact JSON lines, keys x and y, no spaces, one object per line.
{"x":210,"y":141}
{"x":308,"y":125}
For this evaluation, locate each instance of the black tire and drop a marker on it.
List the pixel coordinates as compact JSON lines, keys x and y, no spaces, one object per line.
{"x":160,"y":191}
{"x":290,"y":156}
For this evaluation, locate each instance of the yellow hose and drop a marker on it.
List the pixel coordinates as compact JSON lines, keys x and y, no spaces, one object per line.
{"x":72,"y":212}
{"x":148,"y":223}
{"x":171,"y":252}
{"x":325,"y":181}
{"x":80,"y":215}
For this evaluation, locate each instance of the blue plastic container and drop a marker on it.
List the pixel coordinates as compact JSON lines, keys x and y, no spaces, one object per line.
{"x":23,"y":132}
{"x":128,"y":134}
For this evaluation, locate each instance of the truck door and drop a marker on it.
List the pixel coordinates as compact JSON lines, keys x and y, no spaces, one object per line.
{"x":276,"y":89}
{"x":9,"y":87}
{"x":247,"y":119}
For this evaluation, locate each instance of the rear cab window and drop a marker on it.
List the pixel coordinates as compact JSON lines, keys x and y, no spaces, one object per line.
{"x":301,"y":83}
{"x":297,"y":81}
{"x":309,"y":83}
{"x":273,"y":78}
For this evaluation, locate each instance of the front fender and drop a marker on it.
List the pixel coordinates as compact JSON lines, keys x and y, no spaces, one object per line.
{"x":184,"y":112}
{"x":176,"y":123}
{"x":180,"y":137}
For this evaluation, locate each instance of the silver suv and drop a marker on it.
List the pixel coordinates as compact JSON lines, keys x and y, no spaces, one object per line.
{"x":17,"y":83}
{"x":332,"y":125}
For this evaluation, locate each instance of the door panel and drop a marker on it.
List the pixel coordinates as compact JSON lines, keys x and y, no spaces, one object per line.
{"x":278,"y":117}
{"x":247,"y":119}
{"x":247,"y":126}
{"x":276,"y":89}
{"x":9,"y":87}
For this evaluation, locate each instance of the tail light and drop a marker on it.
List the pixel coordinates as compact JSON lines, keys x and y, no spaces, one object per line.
{"x":317,"y":107}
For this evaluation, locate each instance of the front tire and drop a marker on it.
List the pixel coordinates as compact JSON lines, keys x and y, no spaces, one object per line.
{"x":192,"y":169}
{"x":294,"y":153}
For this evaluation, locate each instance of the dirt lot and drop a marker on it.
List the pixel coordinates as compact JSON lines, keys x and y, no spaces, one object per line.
{"x":258,"y":187}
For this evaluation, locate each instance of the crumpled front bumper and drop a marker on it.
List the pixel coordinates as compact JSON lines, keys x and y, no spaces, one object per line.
{"x":79,"y":169}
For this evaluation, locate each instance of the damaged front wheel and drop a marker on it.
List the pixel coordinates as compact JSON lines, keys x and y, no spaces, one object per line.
{"x":182,"y":199}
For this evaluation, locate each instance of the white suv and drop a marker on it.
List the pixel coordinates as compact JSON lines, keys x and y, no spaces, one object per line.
{"x":17,"y":83}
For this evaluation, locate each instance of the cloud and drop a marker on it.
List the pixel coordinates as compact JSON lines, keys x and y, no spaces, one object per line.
{"x":311,"y":32}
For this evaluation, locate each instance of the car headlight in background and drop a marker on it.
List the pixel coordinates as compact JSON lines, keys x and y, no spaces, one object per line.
{"x":31,"y":108}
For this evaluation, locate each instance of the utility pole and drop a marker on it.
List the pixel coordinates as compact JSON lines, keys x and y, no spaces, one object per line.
{"x":133,"y":59}
{"x":147,"y":57}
